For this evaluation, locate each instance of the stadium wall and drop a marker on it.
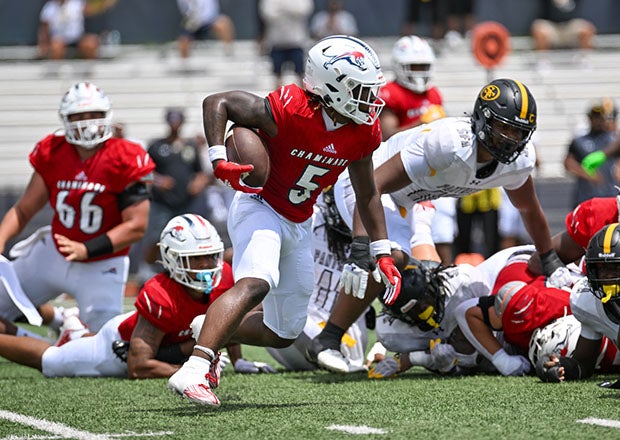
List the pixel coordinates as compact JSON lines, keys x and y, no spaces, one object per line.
{"x":157,"y":21}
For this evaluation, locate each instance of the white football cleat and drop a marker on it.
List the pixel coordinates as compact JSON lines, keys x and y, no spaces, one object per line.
{"x":335,"y":361}
{"x":202,"y":395}
{"x":192,"y":383}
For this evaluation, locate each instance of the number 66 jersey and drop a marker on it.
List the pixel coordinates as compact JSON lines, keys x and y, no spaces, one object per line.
{"x":84,"y":193}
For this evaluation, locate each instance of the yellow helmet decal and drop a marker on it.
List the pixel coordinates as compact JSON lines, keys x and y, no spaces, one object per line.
{"x":608,"y":235}
{"x":524,"y":99}
{"x":490,"y":93}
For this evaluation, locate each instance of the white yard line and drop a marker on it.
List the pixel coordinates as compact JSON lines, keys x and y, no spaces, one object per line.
{"x":357,"y":429}
{"x":601,"y":422}
{"x":63,"y":431}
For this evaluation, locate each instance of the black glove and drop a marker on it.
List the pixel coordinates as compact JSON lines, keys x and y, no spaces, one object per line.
{"x":354,"y":278}
{"x":360,"y":254}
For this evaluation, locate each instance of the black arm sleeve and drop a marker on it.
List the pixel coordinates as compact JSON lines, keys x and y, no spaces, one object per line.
{"x":135,"y":193}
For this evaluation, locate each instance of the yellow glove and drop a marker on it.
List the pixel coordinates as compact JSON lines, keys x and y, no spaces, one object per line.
{"x":388,"y":367}
{"x":432,"y":113}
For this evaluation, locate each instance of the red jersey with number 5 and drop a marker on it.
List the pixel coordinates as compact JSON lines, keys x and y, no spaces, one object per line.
{"x":305,"y":156}
{"x":84,"y":194}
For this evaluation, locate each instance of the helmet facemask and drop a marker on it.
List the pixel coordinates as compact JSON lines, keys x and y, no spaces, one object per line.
{"x":603,"y":264}
{"x":416,"y":77}
{"x":82,"y":98}
{"x":184,"y":238}
{"x":179,"y":264}
{"x":88,"y":133}
{"x":364,"y":105}
{"x":604,"y":279}
{"x":421,"y":302}
{"x":502,"y":139}
{"x":413,"y":60}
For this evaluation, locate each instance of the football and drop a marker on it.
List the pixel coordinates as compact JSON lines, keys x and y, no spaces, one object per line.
{"x":244,"y":146}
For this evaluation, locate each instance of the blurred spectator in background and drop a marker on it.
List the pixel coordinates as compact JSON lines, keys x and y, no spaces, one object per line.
{"x":560,"y":26}
{"x":414,"y":14}
{"x":286,"y":34}
{"x":477,"y":218}
{"x":334,"y":20}
{"x":602,"y":116}
{"x":178,"y":183}
{"x":99,"y":21}
{"x":460,"y":21}
{"x":200,"y":18}
{"x":61,"y":26}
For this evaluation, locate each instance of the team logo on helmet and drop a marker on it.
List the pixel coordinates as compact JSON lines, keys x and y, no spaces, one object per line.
{"x":176,"y":232}
{"x":490,"y":93}
{"x":354,"y":58}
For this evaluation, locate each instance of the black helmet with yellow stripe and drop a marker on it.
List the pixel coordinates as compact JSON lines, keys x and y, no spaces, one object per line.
{"x":603,"y":264}
{"x":504,"y":118}
{"x":421,"y":302}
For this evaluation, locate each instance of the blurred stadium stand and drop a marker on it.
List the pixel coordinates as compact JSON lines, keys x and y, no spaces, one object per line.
{"x":143,"y":79}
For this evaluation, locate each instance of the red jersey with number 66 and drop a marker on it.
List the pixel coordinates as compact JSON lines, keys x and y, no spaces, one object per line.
{"x":84,"y":194}
{"x":305,"y":156}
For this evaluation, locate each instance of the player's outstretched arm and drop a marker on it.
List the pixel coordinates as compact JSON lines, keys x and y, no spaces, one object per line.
{"x":143,"y":346}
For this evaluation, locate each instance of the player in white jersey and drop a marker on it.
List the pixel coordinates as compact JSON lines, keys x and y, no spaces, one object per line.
{"x":331,"y":239}
{"x":449,"y":157}
{"x":595,"y":302}
{"x":409,"y":328}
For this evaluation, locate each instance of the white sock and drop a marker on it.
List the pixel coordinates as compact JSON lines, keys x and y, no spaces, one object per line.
{"x":58,"y":318}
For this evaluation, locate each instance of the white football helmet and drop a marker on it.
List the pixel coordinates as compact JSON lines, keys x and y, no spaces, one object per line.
{"x":346,"y":74}
{"x":413,"y":61}
{"x":86,"y":97}
{"x":559,"y":337}
{"x":191,"y":235}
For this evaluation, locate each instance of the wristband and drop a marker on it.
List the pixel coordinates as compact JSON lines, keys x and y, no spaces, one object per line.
{"x":217,"y":152}
{"x":206,"y":351}
{"x":550,"y":262}
{"x":98,"y":246}
{"x":380,"y":247}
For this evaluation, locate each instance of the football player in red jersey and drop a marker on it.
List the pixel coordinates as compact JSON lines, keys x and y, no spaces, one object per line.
{"x":312,"y":135}
{"x":158,"y":332}
{"x":98,"y":187}
{"x":581,"y":225}
{"x":411,"y":99}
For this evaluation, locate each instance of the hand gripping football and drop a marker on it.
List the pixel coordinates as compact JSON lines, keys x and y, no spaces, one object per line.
{"x":244,"y":146}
